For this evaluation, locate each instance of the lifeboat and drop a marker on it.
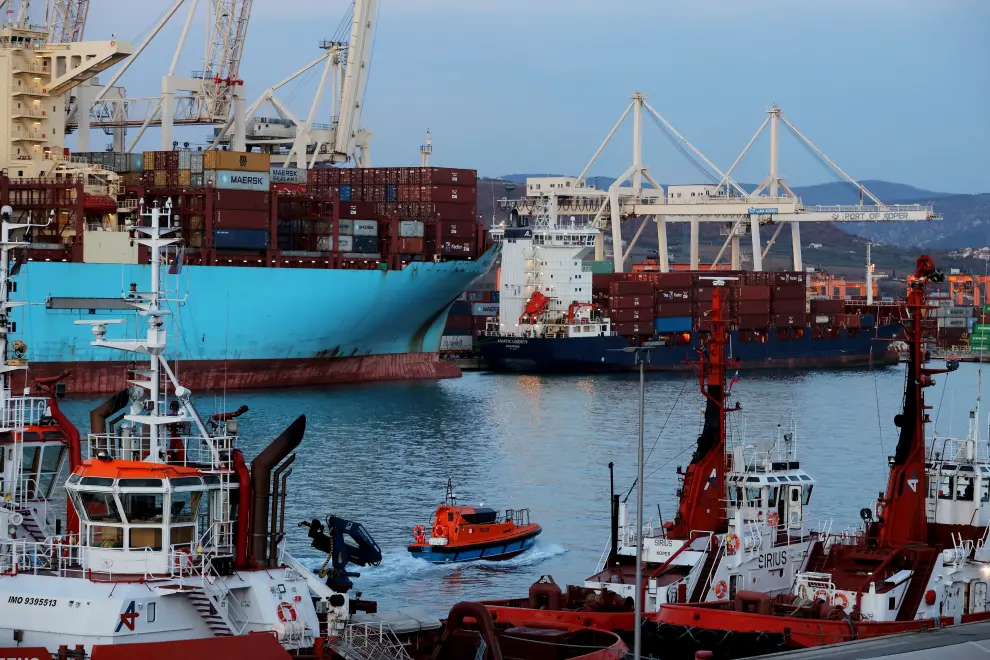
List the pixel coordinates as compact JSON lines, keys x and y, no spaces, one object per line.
{"x":464,"y":533}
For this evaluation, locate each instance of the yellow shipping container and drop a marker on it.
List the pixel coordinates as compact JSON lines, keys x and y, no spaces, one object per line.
{"x":236,"y":160}
{"x":148,"y":160}
{"x":185,"y":177}
{"x":161,"y":178}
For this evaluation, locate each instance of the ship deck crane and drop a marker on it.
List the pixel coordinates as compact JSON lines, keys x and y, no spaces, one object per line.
{"x":725,"y":202}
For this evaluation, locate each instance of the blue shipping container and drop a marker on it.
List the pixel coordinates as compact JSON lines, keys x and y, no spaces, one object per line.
{"x":366,"y":244}
{"x":240,"y":239}
{"x":345,"y":193}
{"x":673,"y":324}
{"x":460,"y":308}
{"x":391,"y":193}
{"x":494,"y":296}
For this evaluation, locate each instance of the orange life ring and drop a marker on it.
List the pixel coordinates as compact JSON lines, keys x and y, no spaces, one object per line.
{"x":773,"y":520}
{"x":840,"y":597}
{"x":419,"y":533}
{"x":284,"y":607}
{"x":821,"y":594}
{"x":733,"y":544}
{"x":878,"y":509}
{"x":721,"y":589}
{"x":439,"y":532}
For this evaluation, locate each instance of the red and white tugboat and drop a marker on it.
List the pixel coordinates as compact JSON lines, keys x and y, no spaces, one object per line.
{"x":740,"y":523}
{"x":172,"y":545}
{"x":922,"y":563}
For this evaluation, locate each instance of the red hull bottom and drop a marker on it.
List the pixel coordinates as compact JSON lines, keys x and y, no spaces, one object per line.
{"x":209,"y":375}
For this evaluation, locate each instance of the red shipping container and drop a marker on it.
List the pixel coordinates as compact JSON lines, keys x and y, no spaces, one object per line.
{"x":674,"y":295}
{"x":753,"y":292}
{"x":454,"y":177}
{"x":790,"y":320}
{"x":753,"y":277}
{"x":753,"y":322}
{"x":360,"y":210}
{"x":457,"y":248}
{"x":675,"y":280}
{"x":457,"y":230}
{"x":665,"y":310}
{"x":604,"y":280}
{"x":451,"y":212}
{"x":634,"y":329}
{"x":634,"y":314}
{"x":241,"y":200}
{"x":451,"y":194}
{"x":630,"y":302}
{"x":790,"y":291}
{"x":227,"y":219}
{"x":789,"y":278}
{"x":751,"y":307}
{"x":459,"y":322}
{"x":851,"y":321}
{"x":410,"y":246}
{"x":621,"y":288}
{"x":827,"y":306}
{"x":788,"y":306}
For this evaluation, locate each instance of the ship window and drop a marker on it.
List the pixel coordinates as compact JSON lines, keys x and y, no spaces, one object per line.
{"x":945,"y":487}
{"x":805,"y":477}
{"x":96,"y":481}
{"x":807,"y":495}
{"x":186,"y":481}
{"x":145,"y":537}
{"x":185,"y":506}
{"x":140,"y":483}
{"x":100,"y":507}
{"x":984,"y":490}
{"x":151,"y":612}
{"x":51,"y":464}
{"x":964,"y":489}
{"x":753,"y":497}
{"x":143,"y":507}
{"x":102,"y":536}
{"x":772,"y":499}
{"x":772,"y":480}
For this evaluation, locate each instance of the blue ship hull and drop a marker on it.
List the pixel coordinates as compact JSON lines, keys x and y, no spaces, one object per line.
{"x":593,"y":354}
{"x":440,"y":555}
{"x":249,"y":327}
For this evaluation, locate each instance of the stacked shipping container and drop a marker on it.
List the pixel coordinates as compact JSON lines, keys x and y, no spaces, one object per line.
{"x":468,"y":320}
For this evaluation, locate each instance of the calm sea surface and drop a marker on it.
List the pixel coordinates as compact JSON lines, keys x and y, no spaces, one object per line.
{"x":381,"y":454}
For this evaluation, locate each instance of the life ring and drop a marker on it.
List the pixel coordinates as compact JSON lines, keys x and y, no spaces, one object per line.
{"x":284,"y":607}
{"x":821,"y":594}
{"x":721,"y":589}
{"x":419,"y":533}
{"x":439,"y":532}
{"x":773,"y":519}
{"x":878,"y":509}
{"x":183,"y":557}
{"x":733,"y":544}
{"x":840,"y":600}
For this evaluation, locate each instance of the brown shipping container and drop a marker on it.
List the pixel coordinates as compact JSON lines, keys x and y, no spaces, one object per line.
{"x":451,"y":194}
{"x":790,"y":291}
{"x":410,"y":246}
{"x":457,"y":230}
{"x":185,"y":177}
{"x":753,"y":292}
{"x":241,"y":200}
{"x":665,"y":310}
{"x":457,"y":248}
{"x":459,"y":322}
{"x":620,"y":288}
{"x":227,"y":219}
{"x":453,"y":177}
{"x":675,"y":280}
{"x":448,"y":211}
{"x":634,"y":314}
{"x":362,"y":210}
{"x":789,"y":306}
{"x":236,"y":160}
{"x":634,"y":329}
{"x":675,"y":295}
{"x":850,"y":320}
{"x":629,"y":302}
{"x":603,"y":281}
{"x":753,"y":322}
{"x":827,"y":306}
{"x":790,"y":320}
{"x":761,"y":278}
{"x":790,"y":278}
{"x":752,"y":307}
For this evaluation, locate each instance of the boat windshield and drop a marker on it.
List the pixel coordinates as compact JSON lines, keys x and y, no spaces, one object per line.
{"x":481,"y":517}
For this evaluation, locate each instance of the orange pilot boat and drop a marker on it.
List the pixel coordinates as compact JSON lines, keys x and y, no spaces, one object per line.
{"x":464,"y":533}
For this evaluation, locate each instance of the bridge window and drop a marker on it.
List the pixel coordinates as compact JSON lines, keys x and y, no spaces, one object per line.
{"x":104,"y":536}
{"x":772,"y":499}
{"x":144,"y":507}
{"x":145,"y":537}
{"x":964,"y":489}
{"x":985,"y":490}
{"x":945,"y":483}
{"x":99,"y":507}
{"x":754,"y":497}
{"x":807,"y":495}
{"x":185,"y":506}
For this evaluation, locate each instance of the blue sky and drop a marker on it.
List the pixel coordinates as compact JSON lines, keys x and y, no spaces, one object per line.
{"x":889,"y":89}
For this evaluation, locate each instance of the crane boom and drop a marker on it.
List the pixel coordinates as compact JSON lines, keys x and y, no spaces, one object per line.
{"x":355,"y":75}
{"x":223,"y":55}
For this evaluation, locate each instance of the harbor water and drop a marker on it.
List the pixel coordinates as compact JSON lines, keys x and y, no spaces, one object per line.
{"x":380,"y":454}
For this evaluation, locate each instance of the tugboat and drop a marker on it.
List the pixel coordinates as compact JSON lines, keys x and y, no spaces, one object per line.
{"x":920,"y":564}
{"x":740,"y":522}
{"x":172,"y":545}
{"x":463,"y":533}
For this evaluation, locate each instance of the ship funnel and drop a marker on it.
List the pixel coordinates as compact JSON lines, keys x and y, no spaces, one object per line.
{"x":264,"y":526}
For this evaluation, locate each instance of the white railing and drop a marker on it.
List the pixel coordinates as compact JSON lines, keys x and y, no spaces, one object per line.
{"x":23,"y":411}
{"x":40,"y":557}
{"x":855,"y":208}
{"x":224,"y":601}
{"x":198,"y":451}
{"x":367,"y":641}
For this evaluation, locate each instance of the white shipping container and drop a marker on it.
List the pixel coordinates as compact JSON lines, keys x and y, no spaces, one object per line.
{"x":484,"y":309}
{"x":287,"y":175}
{"x":344,"y":243}
{"x":185,"y":159}
{"x":821,"y":319}
{"x":196,"y":163}
{"x":456,"y":342}
{"x":956,"y":322}
{"x":410,"y":229}
{"x":961,"y":311}
{"x":346,"y":227}
{"x":233,"y":180}
{"x":365,"y":228}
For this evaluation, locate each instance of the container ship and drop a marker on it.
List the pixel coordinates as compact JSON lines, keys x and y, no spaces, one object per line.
{"x":557,"y":315}
{"x":350,"y":271}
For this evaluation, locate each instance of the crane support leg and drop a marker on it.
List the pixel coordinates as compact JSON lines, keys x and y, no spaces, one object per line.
{"x":613,"y":199}
{"x":796,"y":246}
{"x":754,"y":224}
{"x":240,"y":132}
{"x":695,"y":237}
{"x":736,"y":261}
{"x":662,"y":252}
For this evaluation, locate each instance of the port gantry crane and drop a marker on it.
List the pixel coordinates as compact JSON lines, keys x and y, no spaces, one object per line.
{"x":66,"y":20}
{"x":212,"y":96}
{"x":724,"y":201}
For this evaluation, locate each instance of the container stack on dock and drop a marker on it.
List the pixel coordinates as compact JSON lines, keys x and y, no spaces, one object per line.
{"x":467,"y":321}
{"x":235,"y":208}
